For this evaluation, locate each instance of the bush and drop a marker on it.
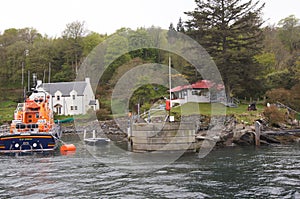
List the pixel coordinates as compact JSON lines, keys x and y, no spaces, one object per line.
{"x":274,"y":116}
{"x":279,"y":95}
{"x":103,"y":114}
{"x":296,"y":97}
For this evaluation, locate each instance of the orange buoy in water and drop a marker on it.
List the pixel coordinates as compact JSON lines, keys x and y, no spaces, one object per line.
{"x":67,"y":148}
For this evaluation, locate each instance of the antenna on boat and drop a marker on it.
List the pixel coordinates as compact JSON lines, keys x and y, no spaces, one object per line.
{"x":22,"y":74}
{"x":23,"y":87}
{"x":34,"y":79}
{"x":24,"y":93}
{"x":28,"y":79}
{"x":44,"y":75}
{"x":49,"y":75}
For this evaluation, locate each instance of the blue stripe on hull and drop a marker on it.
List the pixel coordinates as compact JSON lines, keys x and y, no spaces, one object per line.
{"x":37,"y":142}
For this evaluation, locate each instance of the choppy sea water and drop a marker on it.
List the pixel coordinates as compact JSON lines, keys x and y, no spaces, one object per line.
{"x":248,"y":172}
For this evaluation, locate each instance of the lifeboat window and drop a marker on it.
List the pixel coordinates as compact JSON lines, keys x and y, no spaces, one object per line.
{"x":29,"y":120}
{"x":29,"y":116}
{"x":23,"y":126}
{"x":20,"y":106}
{"x":32,"y":126}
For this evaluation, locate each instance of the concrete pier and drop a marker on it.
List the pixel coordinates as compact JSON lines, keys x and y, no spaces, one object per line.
{"x":163,"y":136}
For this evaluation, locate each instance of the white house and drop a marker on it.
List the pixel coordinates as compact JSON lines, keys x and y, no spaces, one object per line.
{"x":71,"y":98}
{"x":201,"y":91}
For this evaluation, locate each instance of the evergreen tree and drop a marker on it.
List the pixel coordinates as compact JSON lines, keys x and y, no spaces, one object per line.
{"x":180,"y":26}
{"x":230,"y":31}
{"x":290,"y":33}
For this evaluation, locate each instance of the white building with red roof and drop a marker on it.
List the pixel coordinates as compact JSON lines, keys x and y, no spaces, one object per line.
{"x":199,"y":92}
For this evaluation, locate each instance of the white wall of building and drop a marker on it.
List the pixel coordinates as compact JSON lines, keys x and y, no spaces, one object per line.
{"x":72,"y":103}
{"x":192,"y":95}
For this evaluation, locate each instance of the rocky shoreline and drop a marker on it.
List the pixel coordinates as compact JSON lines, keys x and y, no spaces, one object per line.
{"x":110,"y":129}
{"x":245,"y":136}
{"x":233,"y":134}
{"x":230,"y":133}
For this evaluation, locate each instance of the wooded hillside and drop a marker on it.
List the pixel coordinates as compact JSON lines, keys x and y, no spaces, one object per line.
{"x":255,"y":60}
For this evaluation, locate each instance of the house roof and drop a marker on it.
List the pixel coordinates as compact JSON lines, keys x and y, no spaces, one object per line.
{"x":92,"y":102}
{"x":65,"y":87}
{"x":180,"y":88}
{"x":202,"y":84}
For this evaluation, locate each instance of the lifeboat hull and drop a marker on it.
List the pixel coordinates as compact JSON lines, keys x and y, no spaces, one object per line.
{"x":27,"y":142}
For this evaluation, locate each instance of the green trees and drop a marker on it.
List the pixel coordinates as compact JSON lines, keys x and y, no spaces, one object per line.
{"x":90,"y":41}
{"x":230,"y":30}
{"x":73,"y":35}
{"x":289,"y":33}
{"x":252,"y":59}
{"x":281,"y":63}
{"x":26,"y":49}
{"x":16,"y":46}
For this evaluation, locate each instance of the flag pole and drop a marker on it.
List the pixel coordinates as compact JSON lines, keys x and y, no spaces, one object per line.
{"x":170,"y":86}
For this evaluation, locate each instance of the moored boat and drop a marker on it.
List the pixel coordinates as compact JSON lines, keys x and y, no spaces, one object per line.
{"x":33,"y":128}
{"x":95,"y":141}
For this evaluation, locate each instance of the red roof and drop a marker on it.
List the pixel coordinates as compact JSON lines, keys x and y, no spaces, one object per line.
{"x":198,"y":85}
{"x":202,"y":84}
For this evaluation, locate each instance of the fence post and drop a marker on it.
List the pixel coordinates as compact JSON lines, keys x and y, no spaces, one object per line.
{"x":84,"y":134}
{"x":94,"y":134}
{"x":257,"y":133}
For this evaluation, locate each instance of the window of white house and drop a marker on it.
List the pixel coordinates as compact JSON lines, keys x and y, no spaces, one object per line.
{"x":73,"y":96}
{"x":71,"y":108}
{"x":57,"y":97}
{"x":58,"y":110}
{"x":205,"y":92}
{"x":75,"y":107}
{"x":196,"y":93}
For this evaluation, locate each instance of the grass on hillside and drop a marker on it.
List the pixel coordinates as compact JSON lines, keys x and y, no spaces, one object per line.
{"x":241,"y":113}
{"x":9,"y":98}
{"x":7,"y":111}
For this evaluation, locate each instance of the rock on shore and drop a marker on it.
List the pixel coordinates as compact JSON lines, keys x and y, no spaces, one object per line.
{"x":230,"y":133}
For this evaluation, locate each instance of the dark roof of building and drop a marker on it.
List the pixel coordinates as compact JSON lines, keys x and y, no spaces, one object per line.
{"x":65,"y":87}
{"x":92,"y":102}
{"x":202,"y":84}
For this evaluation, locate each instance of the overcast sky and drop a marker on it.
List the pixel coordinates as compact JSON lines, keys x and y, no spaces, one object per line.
{"x":51,"y":16}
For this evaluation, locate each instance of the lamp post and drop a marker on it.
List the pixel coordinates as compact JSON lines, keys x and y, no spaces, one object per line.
{"x":170,"y":86}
